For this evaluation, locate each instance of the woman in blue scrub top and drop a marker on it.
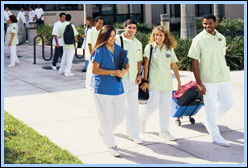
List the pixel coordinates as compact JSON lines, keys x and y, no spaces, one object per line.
{"x":110,"y":64}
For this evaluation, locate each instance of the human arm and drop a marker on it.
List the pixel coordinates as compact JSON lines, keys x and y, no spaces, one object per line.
{"x":99,"y":71}
{"x":195,"y":69}
{"x":11,"y":38}
{"x":138,"y":78}
{"x":145,"y":85}
{"x":176,"y":72}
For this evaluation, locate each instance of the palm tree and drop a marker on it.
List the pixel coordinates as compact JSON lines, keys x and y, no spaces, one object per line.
{"x":188,"y":22}
{"x":219,"y":11}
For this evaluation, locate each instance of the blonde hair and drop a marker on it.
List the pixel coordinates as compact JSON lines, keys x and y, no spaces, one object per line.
{"x":169,"y":41}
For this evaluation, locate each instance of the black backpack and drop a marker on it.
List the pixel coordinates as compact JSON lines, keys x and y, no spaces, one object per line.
{"x":69,"y":35}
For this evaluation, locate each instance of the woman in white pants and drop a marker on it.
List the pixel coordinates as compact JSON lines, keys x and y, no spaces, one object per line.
{"x":12,"y":40}
{"x":107,"y":84}
{"x":163,"y":59}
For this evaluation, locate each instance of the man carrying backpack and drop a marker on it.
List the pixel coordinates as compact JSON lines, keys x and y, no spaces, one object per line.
{"x":68,"y":33}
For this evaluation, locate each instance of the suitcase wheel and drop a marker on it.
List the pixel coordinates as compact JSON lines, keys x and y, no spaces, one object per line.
{"x":178,"y":122}
{"x":192,"y":120}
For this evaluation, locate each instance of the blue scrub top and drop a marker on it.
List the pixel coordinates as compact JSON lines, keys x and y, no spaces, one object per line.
{"x":107,"y":84}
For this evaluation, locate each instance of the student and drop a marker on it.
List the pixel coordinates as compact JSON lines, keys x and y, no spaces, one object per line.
{"x":68,"y":49}
{"x":132,"y":79}
{"x":89,"y":25}
{"x":7,"y":13}
{"x":208,"y":50}
{"x":91,"y":41}
{"x":160,"y":78}
{"x":22,"y":15}
{"x":31,"y":15}
{"x":39,"y":15}
{"x":57,"y":42}
{"x":12,"y":40}
{"x":108,"y":91}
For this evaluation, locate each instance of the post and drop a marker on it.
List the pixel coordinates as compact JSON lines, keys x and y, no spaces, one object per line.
{"x":165,"y":21}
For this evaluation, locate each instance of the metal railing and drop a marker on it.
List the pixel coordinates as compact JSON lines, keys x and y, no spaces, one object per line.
{"x":43,"y":51}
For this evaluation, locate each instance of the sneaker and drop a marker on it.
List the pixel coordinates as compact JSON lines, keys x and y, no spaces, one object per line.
{"x":219,"y":140}
{"x":11,"y":65}
{"x":18,"y":62}
{"x":136,"y":140}
{"x":142,"y":126}
{"x":167,"y":135}
{"x":68,"y":74}
{"x":54,"y":68}
{"x":84,"y":70}
{"x":114,"y":151}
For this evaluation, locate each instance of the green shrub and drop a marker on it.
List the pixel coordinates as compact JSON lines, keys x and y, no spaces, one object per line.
{"x":46,"y":32}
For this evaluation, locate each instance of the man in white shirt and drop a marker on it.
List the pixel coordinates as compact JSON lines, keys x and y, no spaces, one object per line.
{"x":31,"y":14}
{"x":7,"y":13}
{"x":57,"y":42}
{"x":39,"y":14}
{"x":21,"y":15}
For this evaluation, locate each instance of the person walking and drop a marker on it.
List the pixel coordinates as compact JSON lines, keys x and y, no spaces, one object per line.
{"x":90,"y":44}
{"x":160,"y":85}
{"x":68,"y":33}
{"x":57,"y":42}
{"x":132,"y":79}
{"x":108,"y":90}
{"x":89,"y":25}
{"x":12,"y":40}
{"x":39,"y":15}
{"x":207,"y":51}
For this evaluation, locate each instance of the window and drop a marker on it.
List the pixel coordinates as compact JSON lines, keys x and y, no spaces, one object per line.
{"x":200,"y":10}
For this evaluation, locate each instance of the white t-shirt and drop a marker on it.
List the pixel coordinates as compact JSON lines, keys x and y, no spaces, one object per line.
{"x":39,"y":12}
{"x":31,"y":16}
{"x":6,"y":16}
{"x":55,"y":32}
{"x":21,"y":15}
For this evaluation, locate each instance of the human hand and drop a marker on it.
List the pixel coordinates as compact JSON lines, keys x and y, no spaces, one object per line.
{"x":138,"y":79}
{"x":201,"y":89}
{"x":57,"y":45}
{"x":144,"y":86}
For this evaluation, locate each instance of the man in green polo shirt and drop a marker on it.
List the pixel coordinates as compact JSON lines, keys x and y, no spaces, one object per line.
{"x":132,"y":79}
{"x":208,"y":50}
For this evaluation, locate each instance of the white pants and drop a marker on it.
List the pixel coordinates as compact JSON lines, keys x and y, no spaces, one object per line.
{"x":110,"y":111}
{"x":66,"y":61}
{"x":162,"y":101}
{"x":13,"y":56}
{"x":89,"y":76}
{"x":218,"y":100}
{"x":132,"y":108}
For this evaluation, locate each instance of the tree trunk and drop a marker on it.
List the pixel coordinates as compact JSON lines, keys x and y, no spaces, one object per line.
{"x":219,"y":11}
{"x":188,"y":22}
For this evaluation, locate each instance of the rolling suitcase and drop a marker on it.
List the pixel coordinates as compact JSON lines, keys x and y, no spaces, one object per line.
{"x":188,"y":108}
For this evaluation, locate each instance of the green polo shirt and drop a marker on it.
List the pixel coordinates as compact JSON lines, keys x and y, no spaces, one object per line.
{"x":13,"y":28}
{"x":160,"y":76}
{"x":210,"y":51}
{"x":134,"y":48}
{"x":61,"y":32}
{"x":92,"y":36}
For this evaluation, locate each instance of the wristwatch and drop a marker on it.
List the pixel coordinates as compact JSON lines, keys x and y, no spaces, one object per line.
{"x":145,"y":80}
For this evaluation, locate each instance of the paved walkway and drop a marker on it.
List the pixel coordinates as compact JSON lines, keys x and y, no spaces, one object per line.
{"x":62,"y":109}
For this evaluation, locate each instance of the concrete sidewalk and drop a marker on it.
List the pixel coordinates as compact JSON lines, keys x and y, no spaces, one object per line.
{"x":62,"y":109}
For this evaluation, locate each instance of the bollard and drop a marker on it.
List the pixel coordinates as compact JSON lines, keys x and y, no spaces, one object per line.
{"x":165,"y":21}
{"x":32,"y":32}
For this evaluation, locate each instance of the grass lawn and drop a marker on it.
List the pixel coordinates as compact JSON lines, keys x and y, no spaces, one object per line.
{"x":23,"y":145}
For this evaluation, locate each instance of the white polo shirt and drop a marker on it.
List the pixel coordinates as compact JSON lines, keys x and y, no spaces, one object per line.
{"x":39,"y":12}
{"x":21,"y":15}
{"x":55,"y":32}
{"x":31,"y":16}
{"x":6,"y":16}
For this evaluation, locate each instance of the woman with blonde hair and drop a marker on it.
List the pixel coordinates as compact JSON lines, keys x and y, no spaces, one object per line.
{"x":109,"y":65}
{"x":163,"y":59}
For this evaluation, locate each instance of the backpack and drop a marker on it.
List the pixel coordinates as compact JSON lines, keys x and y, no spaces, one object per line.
{"x":69,"y":35}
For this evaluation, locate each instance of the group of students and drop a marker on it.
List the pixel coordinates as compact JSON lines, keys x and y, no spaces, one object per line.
{"x":115,"y":89}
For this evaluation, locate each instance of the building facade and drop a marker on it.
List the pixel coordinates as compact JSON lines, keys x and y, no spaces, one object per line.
{"x":118,"y":13}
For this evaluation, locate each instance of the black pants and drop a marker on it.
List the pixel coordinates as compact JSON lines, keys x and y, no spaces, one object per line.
{"x":58,"y":53}
{"x":5,"y":28}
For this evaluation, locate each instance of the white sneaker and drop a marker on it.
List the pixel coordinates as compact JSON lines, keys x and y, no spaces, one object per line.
{"x":142,"y":126}
{"x":219,"y":140}
{"x":11,"y":65}
{"x":18,"y":62}
{"x":114,"y":151}
{"x":136,"y":140}
{"x":68,"y":74}
{"x":167,"y":135}
{"x":54,"y":68}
